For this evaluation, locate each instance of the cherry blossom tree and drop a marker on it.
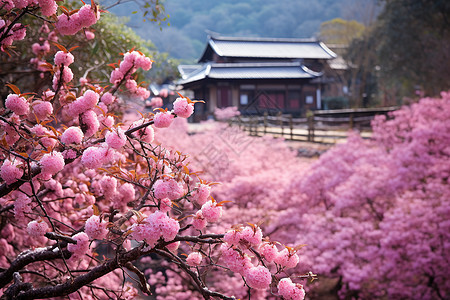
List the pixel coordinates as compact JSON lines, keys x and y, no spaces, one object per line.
{"x":374,"y":213}
{"x":88,"y":197}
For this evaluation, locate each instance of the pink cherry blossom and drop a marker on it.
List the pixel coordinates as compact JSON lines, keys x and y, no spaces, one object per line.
{"x":163,"y":119}
{"x":42,"y":109}
{"x":258,"y":277}
{"x":116,"y":139}
{"x":17,"y":104}
{"x":95,"y":228}
{"x":37,"y":228}
{"x":72,"y":135}
{"x":52,"y":163}
{"x":81,"y":247}
{"x":211,"y":211}
{"x":194,"y":259}
{"x":182,"y":108}
{"x":63,"y":58}
{"x":290,"y":291}
{"x":10,"y":172}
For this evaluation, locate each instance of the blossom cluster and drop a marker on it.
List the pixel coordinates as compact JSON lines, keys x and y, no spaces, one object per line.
{"x":70,"y":24}
{"x":157,"y":225}
{"x":16,"y":33}
{"x":123,"y":73}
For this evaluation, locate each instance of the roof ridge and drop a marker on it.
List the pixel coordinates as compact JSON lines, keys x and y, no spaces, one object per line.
{"x":263,"y":39}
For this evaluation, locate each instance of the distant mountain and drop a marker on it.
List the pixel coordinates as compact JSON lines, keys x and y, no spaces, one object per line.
{"x":185,"y":38}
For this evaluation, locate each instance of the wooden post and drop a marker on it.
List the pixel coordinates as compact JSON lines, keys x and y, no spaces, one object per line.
{"x":311,"y":128}
{"x":280,"y":116}
{"x":352,"y":124}
{"x":291,"y":126}
{"x":266,"y":114}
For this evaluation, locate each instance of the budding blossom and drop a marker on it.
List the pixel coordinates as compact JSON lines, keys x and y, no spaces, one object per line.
{"x":130,"y":63}
{"x":182,"y":108}
{"x":163,"y":119}
{"x":155,"y":102}
{"x":194,"y":259}
{"x":58,"y":79}
{"x":40,"y":50}
{"x":236,"y":261}
{"x":10,"y":172}
{"x":19,"y":105}
{"x":37,"y":228}
{"x":21,"y":205}
{"x":95,"y":228}
{"x":89,"y":35}
{"x":44,"y":136}
{"x":108,"y":98}
{"x":290,"y":291}
{"x":108,"y":186}
{"x":247,"y":236}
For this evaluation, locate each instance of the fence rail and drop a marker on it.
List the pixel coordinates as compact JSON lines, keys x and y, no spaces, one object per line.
{"x":321,"y":126}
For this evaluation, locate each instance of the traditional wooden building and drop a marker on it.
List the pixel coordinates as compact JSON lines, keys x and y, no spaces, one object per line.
{"x":258,"y":74}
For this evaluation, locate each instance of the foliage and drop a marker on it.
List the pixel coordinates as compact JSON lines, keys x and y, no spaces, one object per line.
{"x":111,"y":37}
{"x":414,"y":40}
{"x":85,"y":190}
{"x":375,"y":213}
{"x":340,"y":31}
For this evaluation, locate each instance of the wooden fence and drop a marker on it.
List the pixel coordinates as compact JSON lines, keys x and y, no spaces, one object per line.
{"x":329,"y":126}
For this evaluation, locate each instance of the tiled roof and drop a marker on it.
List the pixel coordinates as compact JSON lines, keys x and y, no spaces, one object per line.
{"x":229,"y":71}
{"x":277,"y":48}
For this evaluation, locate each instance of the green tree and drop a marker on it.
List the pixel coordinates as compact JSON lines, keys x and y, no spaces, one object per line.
{"x":112,"y":37}
{"x":340,"y":31}
{"x":414,"y":46}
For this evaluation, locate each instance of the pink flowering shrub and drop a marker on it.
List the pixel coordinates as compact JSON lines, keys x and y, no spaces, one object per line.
{"x":374,"y":212}
{"x":226,"y":113}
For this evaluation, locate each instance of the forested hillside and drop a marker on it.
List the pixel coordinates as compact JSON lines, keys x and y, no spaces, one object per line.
{"x":190,"y":19}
